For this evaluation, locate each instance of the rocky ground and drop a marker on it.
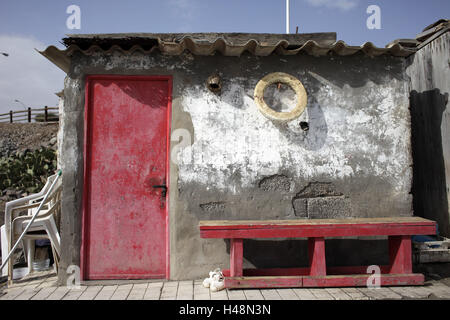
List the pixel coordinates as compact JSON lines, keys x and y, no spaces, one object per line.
{"x":18,"y":137}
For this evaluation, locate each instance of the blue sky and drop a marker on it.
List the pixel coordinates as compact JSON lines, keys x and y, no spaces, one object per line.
{"x":28,"y":24}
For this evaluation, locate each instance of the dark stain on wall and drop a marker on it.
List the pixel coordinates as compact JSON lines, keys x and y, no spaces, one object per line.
{"x":278,"y":183}
{"x":321,"y":200}
{"x":318,"y":189}
{"x":213,"y":207}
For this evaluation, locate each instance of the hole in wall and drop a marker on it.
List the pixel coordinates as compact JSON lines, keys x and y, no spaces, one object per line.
{"x":304,"y":125}
{"x":280,"y":97}
{"x":214,"y":84}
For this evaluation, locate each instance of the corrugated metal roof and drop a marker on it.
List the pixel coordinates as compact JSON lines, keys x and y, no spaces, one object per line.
{"x":319,"y":44}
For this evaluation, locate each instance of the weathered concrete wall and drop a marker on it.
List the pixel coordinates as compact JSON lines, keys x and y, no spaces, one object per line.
{"x":354,"y":161}
{"x":429,"y":71}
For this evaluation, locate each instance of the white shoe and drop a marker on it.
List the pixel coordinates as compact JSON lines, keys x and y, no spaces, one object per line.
{"x":207,"y":281}
{"x":217,"y":286}
{"x":217,"y":282}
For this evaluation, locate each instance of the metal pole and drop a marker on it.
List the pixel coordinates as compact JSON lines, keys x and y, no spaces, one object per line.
{"x":32,"y":220}
{"x":287,"y":16}
{"x":23,"y":104}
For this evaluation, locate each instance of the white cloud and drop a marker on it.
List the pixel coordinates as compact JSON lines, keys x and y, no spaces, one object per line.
{"x":343,"y":5}
{"x":26,"y":75}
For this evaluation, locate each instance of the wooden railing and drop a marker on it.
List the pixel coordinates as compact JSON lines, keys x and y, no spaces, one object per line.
{"x":31,"y":115}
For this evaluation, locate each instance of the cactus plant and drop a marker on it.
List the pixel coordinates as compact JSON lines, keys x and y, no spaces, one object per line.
{"x":27,"y":170}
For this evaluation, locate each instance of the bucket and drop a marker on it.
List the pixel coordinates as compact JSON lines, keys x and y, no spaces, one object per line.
{"x":42,"y":265}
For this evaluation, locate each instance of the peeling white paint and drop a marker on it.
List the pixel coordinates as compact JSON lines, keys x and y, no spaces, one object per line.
{"x":233,"y":137}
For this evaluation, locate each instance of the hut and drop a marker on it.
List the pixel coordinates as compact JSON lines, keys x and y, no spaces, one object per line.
{"x":160,"y":131}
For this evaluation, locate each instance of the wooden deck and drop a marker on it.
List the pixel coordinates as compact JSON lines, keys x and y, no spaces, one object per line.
{"x":43,"y":287}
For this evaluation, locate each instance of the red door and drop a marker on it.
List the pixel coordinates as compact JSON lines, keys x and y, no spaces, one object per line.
{"x":125,"y":232}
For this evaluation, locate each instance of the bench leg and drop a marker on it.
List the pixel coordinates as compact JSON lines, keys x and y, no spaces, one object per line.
{"x":236,"y":257}
{"x":400,"y":254}
{"x":316,"y":252}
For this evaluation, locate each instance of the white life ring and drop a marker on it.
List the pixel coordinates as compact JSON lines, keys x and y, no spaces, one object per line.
{"x":294,"y":83}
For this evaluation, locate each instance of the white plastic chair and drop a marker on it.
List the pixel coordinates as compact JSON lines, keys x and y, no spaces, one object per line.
{"x":43,"y":227}
{"x":45,"y":223}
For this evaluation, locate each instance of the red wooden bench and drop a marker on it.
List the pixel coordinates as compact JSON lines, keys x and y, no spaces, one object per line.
{"x":399,"y":231}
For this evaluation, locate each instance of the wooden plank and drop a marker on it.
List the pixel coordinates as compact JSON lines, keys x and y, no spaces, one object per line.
{"x":400,"y":254}
{"x":106,"y":293}
{"x":185,"y":290}
{"x":122,"y":292}
{"x":355,"y":294}
{"x":43,"y":293}
{"x":58,"y":294}
{"x":269,"y":294}
{"x":338,"y":294}
{"x":321,"y":294}
{"x":440,"y":290}
{"x":201,"y":293}
{"x":73,"y":294}
{"x":253,"y":295}
{"x":287,"y":294}
{"x":304,"y":294}
{"x":13,"y":293}
{"x":361,"y":280}
{"x":271,"y":272}
{"x":316,"y":255}
{"x":236,"y":257}
{"x":262,"y":282}
{"x":153,"y":291}
{"x":219,"y":295}
{"x":412,"y":292}
{"x":138,"y":291}
{"x":211,"y":224}
{"x":90,"y":293}
{"x":305,"y":271}
{"x":27,"y":294}
{"x":310,"y":231}
{"x":236,"y":295}
{"x":379,"y":293}
{"x":169,"y":291}
{"x":325,"y":281}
